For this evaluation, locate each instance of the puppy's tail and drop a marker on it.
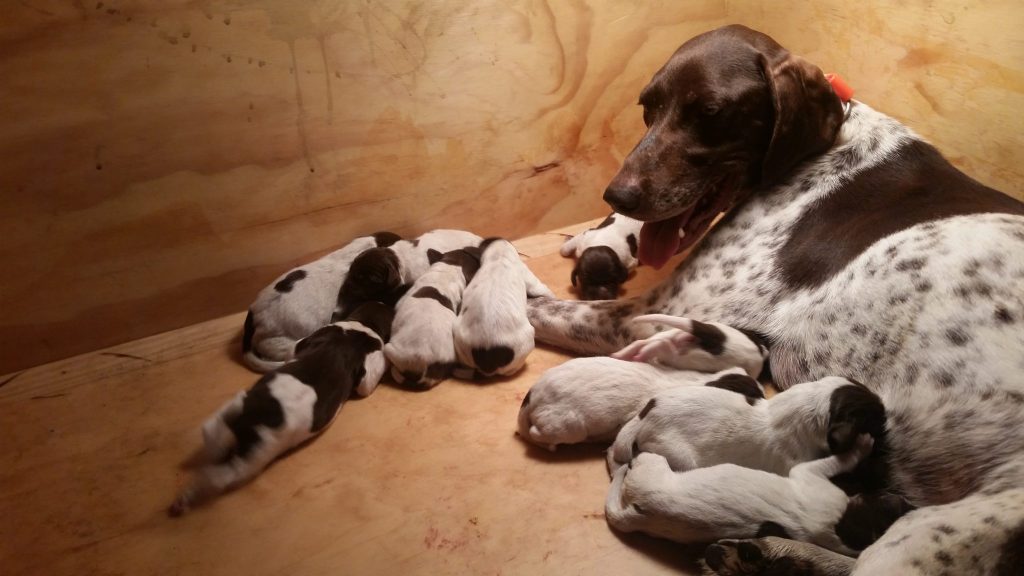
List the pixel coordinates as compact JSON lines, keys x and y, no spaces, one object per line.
{"x":259,"y":364}
{"x":618,"y":516}
{"x":590,"y":328}
{"x":622,"y":451}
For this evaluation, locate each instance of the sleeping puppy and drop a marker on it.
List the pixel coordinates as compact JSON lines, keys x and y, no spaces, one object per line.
{"x":604,"y":255}
{"x":589,"y":399}
{"x":384,"y":274}
{"x":492,"y":333}
{"x":290,"y":405}
{"x":694,"y":345}
{"x":729,"y":421}
{"x":421,"y":351}
{"x":299,"y":302}
{"x":729,"y":501}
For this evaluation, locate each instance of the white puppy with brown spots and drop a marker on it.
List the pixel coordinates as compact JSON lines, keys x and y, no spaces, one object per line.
{"x":605,"y":255}
{"x":299,"y":302}
{"x":694,"y":345}
{"x":589,"y":399}
{"x":729,"y":501}
{"x":492,"y":333}
{"x":422,"y":350}
{"x":729,"y":421}
{"x":290,"y":405}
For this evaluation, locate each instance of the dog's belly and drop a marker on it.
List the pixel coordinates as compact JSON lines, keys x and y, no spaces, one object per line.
{"x":931,"y":318}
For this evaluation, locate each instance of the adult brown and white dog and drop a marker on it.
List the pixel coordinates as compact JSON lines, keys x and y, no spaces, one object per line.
{"x":856,"y":249}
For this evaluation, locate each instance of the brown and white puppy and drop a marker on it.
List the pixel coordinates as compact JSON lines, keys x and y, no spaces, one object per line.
{"x":492,"y":333}
{"x":700,"y":426}
{"x":422,"y":350}
{"x":299,"y":302}
{"x":605,"y":256}
{"x":290,"y":405}
{"x":729,"y":501}
{"x":385,"y":274}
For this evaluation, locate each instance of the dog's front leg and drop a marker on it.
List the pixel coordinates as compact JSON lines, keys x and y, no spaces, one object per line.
{"x":597,"y":327}
{"x":773,"y":555}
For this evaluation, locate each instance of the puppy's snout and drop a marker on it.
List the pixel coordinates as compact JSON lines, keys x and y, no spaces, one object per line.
{"x":622,"y":198}
{"x":597,"y":292}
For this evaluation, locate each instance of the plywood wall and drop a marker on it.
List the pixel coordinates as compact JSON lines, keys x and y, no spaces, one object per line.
{"x":161,"y":160}
{"x":951,"y":69}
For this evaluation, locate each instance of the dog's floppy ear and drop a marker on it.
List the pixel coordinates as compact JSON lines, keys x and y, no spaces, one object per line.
{"x":433,"y":256}
{"x":575,"y":274}
{"x":807,"y":112}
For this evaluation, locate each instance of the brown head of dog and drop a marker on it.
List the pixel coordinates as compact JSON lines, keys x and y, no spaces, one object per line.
{"x":731,"y":111}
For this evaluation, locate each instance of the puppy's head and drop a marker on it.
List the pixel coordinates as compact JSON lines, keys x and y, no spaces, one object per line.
{"x":599,"y":274}
{"x":853,"y":410}
{"x":325,"y":338}
{"x":375,"y":275}
{"x":731,"y":109}
{"x":376,"y":316}
{"x":466,"y":258}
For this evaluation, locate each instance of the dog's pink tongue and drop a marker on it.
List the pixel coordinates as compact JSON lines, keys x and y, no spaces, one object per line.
{"x":659,"y":241}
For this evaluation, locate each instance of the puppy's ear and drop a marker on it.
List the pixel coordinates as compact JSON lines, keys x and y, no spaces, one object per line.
{"x":841,"y":437}
{"x":853,"y":410}
{"x":807,"y":112}
{"x":575,"y":275}
{"x":433,"y":256}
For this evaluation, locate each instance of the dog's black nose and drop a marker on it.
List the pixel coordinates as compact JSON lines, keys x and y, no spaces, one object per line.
{"x":623,"y":199}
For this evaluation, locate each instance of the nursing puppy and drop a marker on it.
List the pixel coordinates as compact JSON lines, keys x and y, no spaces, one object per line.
{"x":604,"y":255}
{"x":701,"y":426}
{"x":299,"y":302}
{"x":694,"y":345}
{"x":290,"y":405}
{"x":729,"y":501}
{"x":492,"y":333}
{"x":589,"y":399}
{"x":384,"y":274}
{"x":421,"y":350}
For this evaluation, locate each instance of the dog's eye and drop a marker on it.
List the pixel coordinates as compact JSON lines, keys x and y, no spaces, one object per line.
{"x":648,"y":116}
{"x":709,"y":109}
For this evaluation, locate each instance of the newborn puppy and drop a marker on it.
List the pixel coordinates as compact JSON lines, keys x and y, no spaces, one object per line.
{"x":700,"y":426}
{"x":729,"y":501}
{"x":694,"y":345}
{"x":605,"y":256}
{"x":492,"y":333}
{"x":290,"y":405}
{"x":384,"y":274}
{"x":299,"y":302}
{"x":589,"y":399}
{"x":421,"y":351}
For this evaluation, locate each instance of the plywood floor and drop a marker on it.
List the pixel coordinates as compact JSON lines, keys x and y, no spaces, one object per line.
{"x":403,"y":482}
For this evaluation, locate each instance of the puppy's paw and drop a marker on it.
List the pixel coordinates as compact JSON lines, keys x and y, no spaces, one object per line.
{"x":662,"y":347}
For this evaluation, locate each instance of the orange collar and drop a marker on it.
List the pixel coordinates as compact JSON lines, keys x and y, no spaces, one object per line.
{"x":840,"y":87}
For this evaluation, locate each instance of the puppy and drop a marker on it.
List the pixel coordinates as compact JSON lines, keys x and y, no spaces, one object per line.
{"x":422,"y":351}
{"x":699,"y":426}
{"x":290,"y":405}
{"x":492,"y":333}
{"x":385,"y":274}
{"x":729,"y":501}
{"x":694,"y":345}
{"x":589,"y":399}
{"x":299,"y":302}
{"x":604,"y":255}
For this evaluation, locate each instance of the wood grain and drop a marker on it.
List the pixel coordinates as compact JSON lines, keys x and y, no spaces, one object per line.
{"x":401,"y":483}
{"x":163,"y":160}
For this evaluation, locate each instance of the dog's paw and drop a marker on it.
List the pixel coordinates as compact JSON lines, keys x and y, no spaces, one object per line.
{"x":734,"y":558}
